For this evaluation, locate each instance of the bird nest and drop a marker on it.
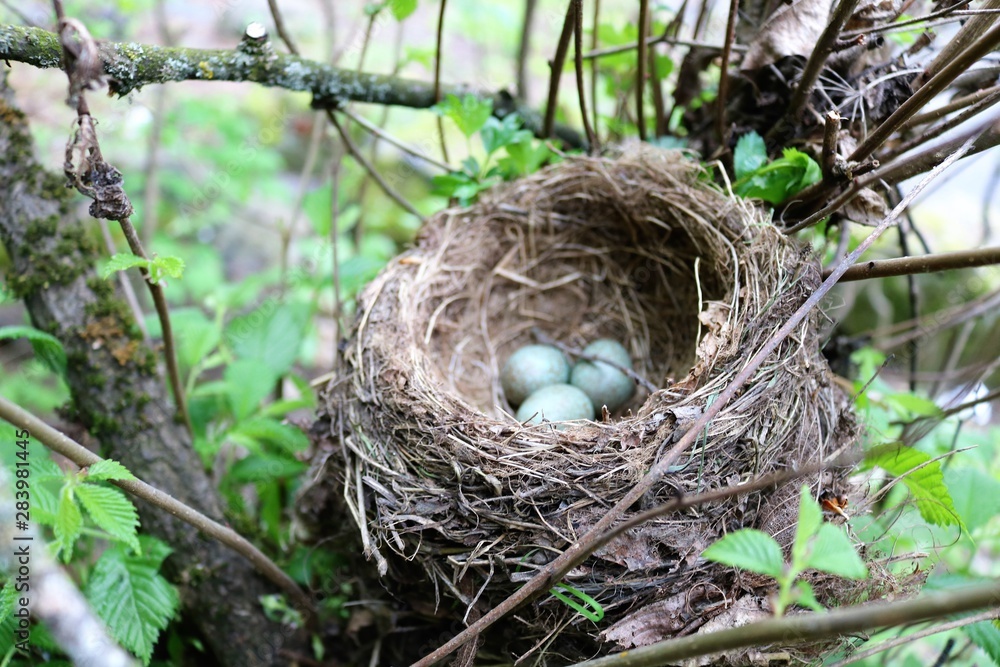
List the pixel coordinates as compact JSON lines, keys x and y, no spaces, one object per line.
{"x":460,"y":504}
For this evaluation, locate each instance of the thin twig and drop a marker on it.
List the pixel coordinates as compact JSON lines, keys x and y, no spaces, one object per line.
{"x":370,"y":168}
{"x":556,"y":67}
{"x":524,"y":49}
{"x":934,"y":132}
{"x":662,"y":39}
{"x":279,"y":25}
{"x":814,"y":66}
{"x":382,"y":134}
{"x":807,"y":627}
{"x":727,"y":51}
{"x":593,"y":64}
{"x":437,"y":77}
{"x":83,"y":457}
{"x":577,"y":8}
{"x":584,"y":545}
{"x":640,"y":83}
{"x":926,"y":632}
{"x":831,"y":133}
{"x":847,"y":34}
{"x":926,"y":93}
{"x":163,"y":313}
{"x":971,"y":30}
{"x":945,"y":109}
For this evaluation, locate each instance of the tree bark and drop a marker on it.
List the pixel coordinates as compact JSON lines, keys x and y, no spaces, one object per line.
{"x":120,"y":396}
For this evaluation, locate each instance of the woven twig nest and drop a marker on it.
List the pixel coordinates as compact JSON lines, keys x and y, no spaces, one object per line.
{"x":459,"y":503}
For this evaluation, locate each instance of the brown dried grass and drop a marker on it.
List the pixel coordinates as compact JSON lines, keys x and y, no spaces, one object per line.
{"x":641,"y":248}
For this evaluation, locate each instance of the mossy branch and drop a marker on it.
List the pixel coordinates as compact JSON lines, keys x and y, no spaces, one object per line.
{"x":130,"y":66}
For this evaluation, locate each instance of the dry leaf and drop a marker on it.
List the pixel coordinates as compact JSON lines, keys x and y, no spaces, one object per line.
{"x":793,"y":30}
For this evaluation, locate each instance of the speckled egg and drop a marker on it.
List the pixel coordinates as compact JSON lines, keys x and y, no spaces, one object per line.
{"x":555,"y":403}
{"x":531,"y":368}
{"x":604,"y":384}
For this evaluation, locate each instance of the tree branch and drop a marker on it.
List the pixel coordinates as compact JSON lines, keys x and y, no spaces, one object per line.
{"x":807,"y":627}
{"x":132,"y":66}
{"x":905,"y":266}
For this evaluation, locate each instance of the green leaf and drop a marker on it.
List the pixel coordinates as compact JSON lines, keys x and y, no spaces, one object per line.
{"x":810,"y":518}
{"x":523,"y":158}
{"x":166,"y":266}
{"x":248,"y":382}
{"x":833,"y":552}
{"x":69,"y":523}
{"x":469,"y":113}
{"x":749,"y":155}
{"x":976,"y":495}
{"x":122,"y":261}
{"x":926,"y":485}
{"x":131,"y":597}
{"x":402,"y":8}
{"x":748,"y":549}
{"x":196,"y":335}
{"x":108,"y":469}
{"x":47,"y":347}
{"x":590,"y":609}
{"x":986,"y":636}
{"x":499,"y":133}
{"x":781,"y":179}
{"x":270,"y":335}
{"x":270,"y":431}
{"x":112,"y":511}
{"x":265,"y":467}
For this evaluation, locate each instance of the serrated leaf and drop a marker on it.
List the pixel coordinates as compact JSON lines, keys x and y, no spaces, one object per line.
{"x":122,"y":261}
{"x":806,"y":596}
{"x":131,"y":597}
{"x":68,"y":524}
{"x":468,"y":113}
{"x":108,"y":469}
{"x":167,"y":266}
{"x":248,"y":382}
{"x":112,"y":511}
{"x":926,"y":485}
{"x":46,"y":347}
{"x":749,"y":155}
{"x":810,"y":518}
{"x":833,"y":552}
{"x":986,"y":635}
{"x":748,"y":549}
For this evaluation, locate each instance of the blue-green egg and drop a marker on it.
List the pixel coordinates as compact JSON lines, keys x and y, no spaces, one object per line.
{"x":604,"y":384}
{"x":555,"y":403}
{"x":531,"y":368}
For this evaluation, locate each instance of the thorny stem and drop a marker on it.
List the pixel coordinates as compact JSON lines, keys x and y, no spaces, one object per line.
{"x":83,"y":457}
{"x":981,"y":104}
{"x":584,"y":545}
{"x":556,"y":67}
{"x":945,"y":109}
{"x":640,"y":82}
{"x":576,"y":6}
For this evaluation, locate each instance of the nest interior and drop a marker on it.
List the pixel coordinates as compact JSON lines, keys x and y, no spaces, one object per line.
{"x":454,"y":499}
